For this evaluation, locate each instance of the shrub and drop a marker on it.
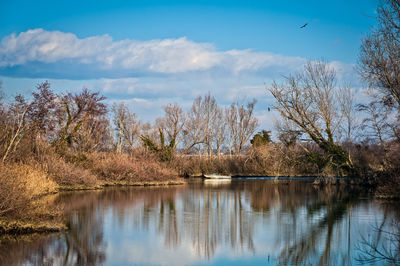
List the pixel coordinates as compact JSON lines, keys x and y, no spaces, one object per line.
{"x":121,"y":167}
{"x":19,"y":185}
{"x":66,"y":173}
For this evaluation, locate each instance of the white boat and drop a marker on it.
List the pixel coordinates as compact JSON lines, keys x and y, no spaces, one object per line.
{"x":215,"y":176}
{"x":216,"y":182}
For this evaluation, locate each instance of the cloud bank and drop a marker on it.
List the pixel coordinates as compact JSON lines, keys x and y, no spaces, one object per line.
{"x":147,"y":74}
{"x":50,"y":52}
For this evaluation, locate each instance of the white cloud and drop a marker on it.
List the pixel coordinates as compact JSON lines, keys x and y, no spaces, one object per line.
{"x":50,"y":46}
{"x":147,"y":75}
{"x":167,"y":56}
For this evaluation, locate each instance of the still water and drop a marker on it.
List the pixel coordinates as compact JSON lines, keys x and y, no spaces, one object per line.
{"x":239,"y":222}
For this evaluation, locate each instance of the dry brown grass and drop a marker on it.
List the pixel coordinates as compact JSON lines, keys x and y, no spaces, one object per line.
{"x":121,"y":167}
{"x":20,"y":185}
{"x":68,"y":174}
{"x":271,"y":160}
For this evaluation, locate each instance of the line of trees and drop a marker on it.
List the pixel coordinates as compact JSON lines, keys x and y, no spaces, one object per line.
{"x":81,"y":122}
{"x":206,"y":129}
{"x":76,"y":121}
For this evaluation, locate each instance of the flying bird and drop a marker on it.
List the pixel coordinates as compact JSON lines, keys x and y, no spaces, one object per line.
{"x":304,"y":26}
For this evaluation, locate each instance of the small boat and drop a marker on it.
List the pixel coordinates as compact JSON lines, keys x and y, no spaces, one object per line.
{"x":215,"y":176}
{"x":216,"y":182}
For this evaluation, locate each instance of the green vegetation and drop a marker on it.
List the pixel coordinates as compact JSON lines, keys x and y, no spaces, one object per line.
{"x":261,"y":139}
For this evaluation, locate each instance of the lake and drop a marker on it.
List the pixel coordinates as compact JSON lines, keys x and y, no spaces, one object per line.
{"x":238,"y":222}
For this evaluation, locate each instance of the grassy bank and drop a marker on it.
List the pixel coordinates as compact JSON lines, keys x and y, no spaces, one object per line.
{"x":374,"y":170}
{"x":269,"y":160}
{"x":24,"y":187}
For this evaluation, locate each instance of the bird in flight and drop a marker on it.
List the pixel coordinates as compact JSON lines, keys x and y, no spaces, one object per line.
{"x":304,"y":26}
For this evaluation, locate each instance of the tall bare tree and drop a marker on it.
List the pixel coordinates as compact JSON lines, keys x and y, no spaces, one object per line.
{"x":193,"y":130}
{"x":231,"y":115}
{"x":75,"y":109}
{"x":94,"y":135}
{"x":247,"y":123}
{"x":126,"y":126}
{"x":42,"y":112}
{"x":201,"y":120}
{"x":379,"y":61}
{"x":209,"y":109}
{"x":120,"y":117}
{"x":347,"y":108}
{"x":309,"y":99}
{"x":172,"y":123}
{"x":241,"y":123}
{"x":219,"y":128}
{"x":16,"y":125}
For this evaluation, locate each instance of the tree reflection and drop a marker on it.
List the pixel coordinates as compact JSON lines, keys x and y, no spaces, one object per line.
{"x":383,"y":245}
{"x":221,"y":217}
{"x":310,"y":225}
{"x":82,"y":245}
{"x":329,"y":213}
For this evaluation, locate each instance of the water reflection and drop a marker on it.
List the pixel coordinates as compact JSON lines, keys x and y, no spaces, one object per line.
{"x":257,"y":221}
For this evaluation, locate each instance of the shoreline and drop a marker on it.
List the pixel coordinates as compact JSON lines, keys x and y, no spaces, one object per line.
{"x":16,"y":227}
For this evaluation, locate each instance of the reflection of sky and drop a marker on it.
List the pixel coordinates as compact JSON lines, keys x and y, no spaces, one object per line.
{"x":239,"y":223}
{"x":137,"y":239}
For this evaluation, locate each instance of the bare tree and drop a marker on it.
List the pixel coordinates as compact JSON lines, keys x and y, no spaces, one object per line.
{"x":201,"y":120}
{"x":242,"y":124}
{"x":120,"y":117}
{"x":42,"y":111}
{"x":376,"y":125}
{"x":75,"y":109}
{"x":132,"y":130}
{"x":172,"y":123}
{"x":17,"y":125}
{"x":193,"y":130}
{"x":380,"y":125}
{"x":209,"y":109}
{"x":94,"y":135}
{"x":231,"y":115}
{"x":347,"y":108}
{"x":247,"y":123}
{"x":288,"y":132}
{"x":379,"y":60}
{"x":126,"y":126}
{"x":309,"y":99}
{"x":219,"y":128}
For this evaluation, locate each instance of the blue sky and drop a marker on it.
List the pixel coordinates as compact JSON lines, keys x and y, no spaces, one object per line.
{"x":150,"y":53}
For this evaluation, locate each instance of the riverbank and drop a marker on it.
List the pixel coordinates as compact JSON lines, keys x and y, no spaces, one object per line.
{"x":39,"y":222}
{"x":25,"y":186}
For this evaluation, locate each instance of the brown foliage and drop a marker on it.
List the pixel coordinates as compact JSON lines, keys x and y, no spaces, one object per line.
{"x":268,"y":160}
{"x":66,"y":173}
{"x":20,"y":184}
{"x":121,"y":167}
